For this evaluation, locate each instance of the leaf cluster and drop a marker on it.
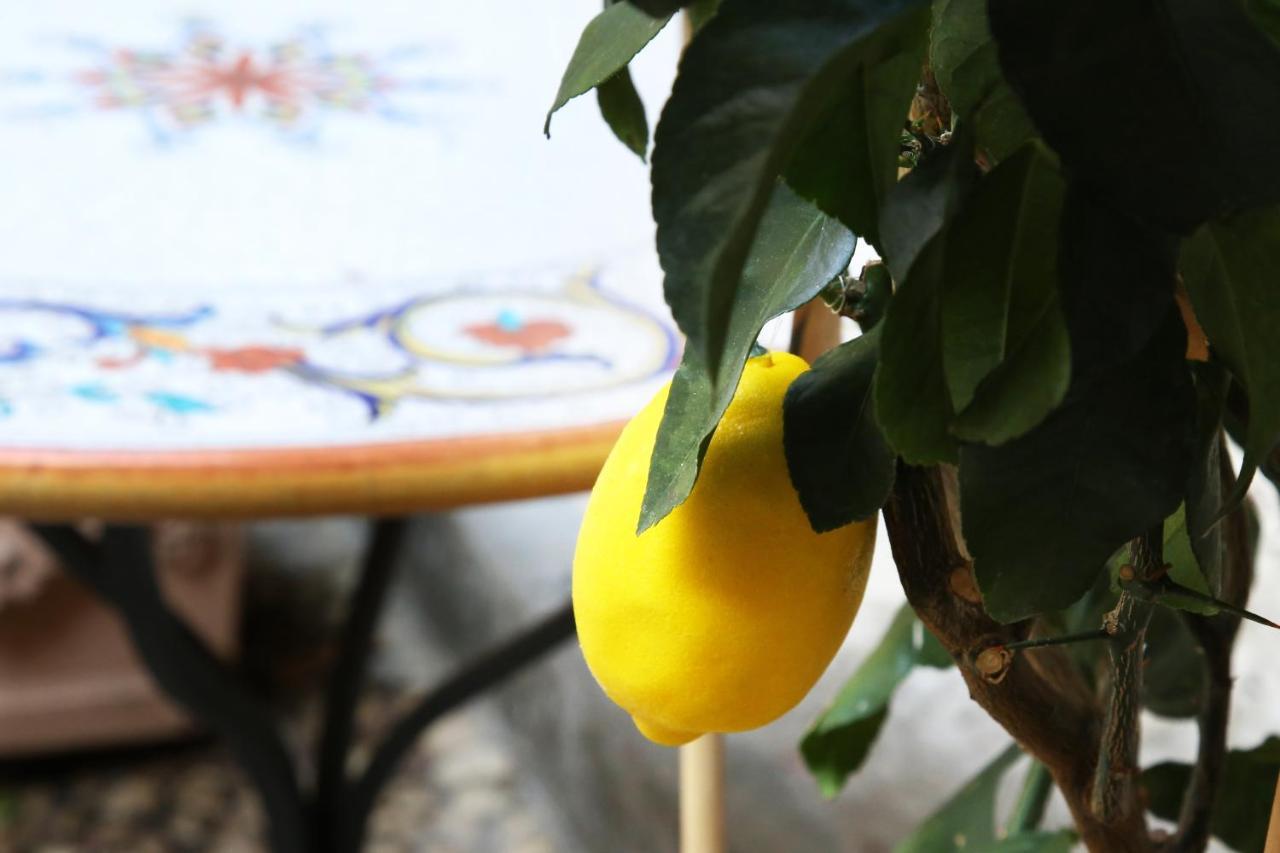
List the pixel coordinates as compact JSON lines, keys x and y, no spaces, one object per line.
{"x":1077,"y":207}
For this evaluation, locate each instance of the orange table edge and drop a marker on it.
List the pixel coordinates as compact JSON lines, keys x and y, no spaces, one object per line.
{"x":369,"y":479}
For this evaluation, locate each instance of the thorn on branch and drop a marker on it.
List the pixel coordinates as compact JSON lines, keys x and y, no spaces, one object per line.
{"x":993,"y":662}
{"x":1162,"y":589}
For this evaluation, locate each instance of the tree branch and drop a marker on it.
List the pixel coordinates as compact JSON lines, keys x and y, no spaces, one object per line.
{"x":1117,"y":767}
{"x":1216,"y":636}
{"x":1042,"y":700}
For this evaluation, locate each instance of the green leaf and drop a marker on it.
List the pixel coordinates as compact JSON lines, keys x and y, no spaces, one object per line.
{"x":797,"y":251}
{"x":931,"y":652}
{"x":912,"y":403}
{"x":1266,"y":16}
{"x":1184,"y":566}
{"x":1001,"y":269}
{"x":1230,"y":268}
{"x":1117,"y":284}
{"x":1243,"y":805}
{"x":701,"y":11}
{"x":608,"y":43}
{"x":1236,"y":422}
{"x":752,"y":87}
{"x":1004,"y":340}
{"x":1023,"y":390}
{"x":964,"y":62}
{"x":1173,"y":673}
{"x":849,"y":162}
{"x":840,"y":464}
{"x":968,"y":819}
{"x":1085,"y":614}
{"x":923,"y":202}
{"x":659,"y":8}
{"x":623,"y":111}
{"x":1157,"y":107}
{"x":1062,"y":841}
{"x":1042,"y":514}
{"x":867,"y":309}
{"x":960,"y":35}
{"x":839,"y":740}
{"x":1204,"y":488}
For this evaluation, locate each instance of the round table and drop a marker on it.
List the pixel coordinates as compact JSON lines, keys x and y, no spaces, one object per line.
{"x":297,"y":259}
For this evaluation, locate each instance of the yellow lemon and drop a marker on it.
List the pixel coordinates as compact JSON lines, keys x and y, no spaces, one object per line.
{"x":722,"y":616}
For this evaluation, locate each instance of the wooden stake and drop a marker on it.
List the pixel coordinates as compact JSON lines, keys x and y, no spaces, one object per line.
{"x":702,"y":795}
{"x":1273,"y":830}
{"x":815,"y":328}
{"x":702,"y":761}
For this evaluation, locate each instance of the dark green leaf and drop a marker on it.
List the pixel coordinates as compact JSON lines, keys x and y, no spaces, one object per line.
{"x":1230,"y":269}
{"x":1062,"y":841}
{"x":623,"y":111}
{"x":1033,"y":799}
{"x":1159,"y":107}
{"x":1236,"y":421}
{"x":1173,"y":676}
{"x":1025,"y":388}
{"x":968,"y":819}
{"x":1004,"y":340}
{"x":924,"y":201}
{"x":1184,"y":566}
{"x":1244,"y":804}
{"x":912,"y":403}
{"x":840,"y":465}
{"x":608,"y":43}
{"x":849,"y":162}
{"x":752,"y":86}
{"x":960,"y":35}
{"x":1117,"y":281}
{"x":701,"y":11}
{"x":964,"y":62}
{"x":931,"y":652}
{"x":1204,"y":488}
{"x":1266,"y":16}
{"x":798,"y":250}
{"x":660,"y":8}
{"x":1042,"y":514}
{"x":868,"y":308}
{"x":1084,"y":615}
{"x":838,"y":742}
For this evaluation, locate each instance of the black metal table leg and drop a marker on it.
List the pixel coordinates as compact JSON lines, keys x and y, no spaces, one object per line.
{"x":348,"y":675}
{"x":120,"y":569}
{"x":470,"y":680}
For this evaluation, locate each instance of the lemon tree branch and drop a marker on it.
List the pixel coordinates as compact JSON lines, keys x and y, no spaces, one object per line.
{"x":1117,"y":766}
{"x":1216,"y":636}
{"x":1042,"y":700}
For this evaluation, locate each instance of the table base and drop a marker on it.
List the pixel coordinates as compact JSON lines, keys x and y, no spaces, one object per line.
{"x":331,"y":817}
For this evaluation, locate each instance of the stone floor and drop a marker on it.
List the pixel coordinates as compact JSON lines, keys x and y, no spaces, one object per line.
{"x":458,"y":791}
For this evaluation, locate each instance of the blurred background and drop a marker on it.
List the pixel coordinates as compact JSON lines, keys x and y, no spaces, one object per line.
{"x":302,"y":166}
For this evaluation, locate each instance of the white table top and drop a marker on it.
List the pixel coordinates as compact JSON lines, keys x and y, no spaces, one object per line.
{"x":315,"y":224}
